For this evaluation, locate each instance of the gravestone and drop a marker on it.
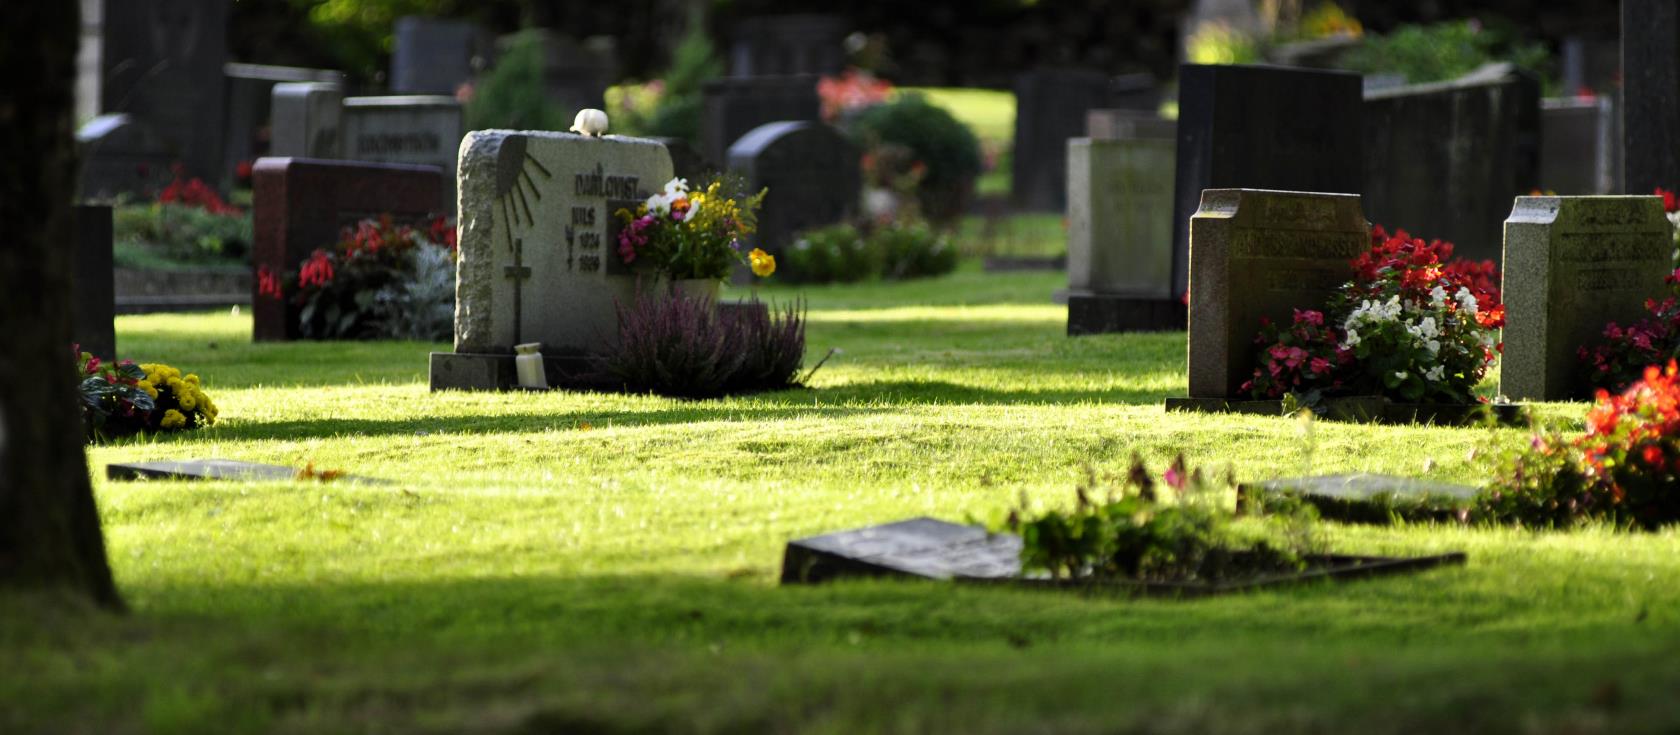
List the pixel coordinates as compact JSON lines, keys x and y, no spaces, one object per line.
{"x":1119,"y":217}
{"x":1367,"y":498}
{"x":93,"y":303}
{"x":305,"y":120}
{"x":222,"y":469}
{"x":300,"y":204}
{"x":249,"y":94}
{"x":1577,"y":146}
{"x":435,"y":55}
{"x":162,"y":62}
{"x":121,"y":156}
{"x":1443,"y":160}
{"x":1650,"y":95}
{"x":731,"y":107}
{"x":575,"y":74}
{"x":1124,"y":124}
{"x":423,"y":129}
{"x":1572,"y":265}
{"x":1050,"y":108}
{"x":919,"y":547}
{"x":685,"y":160}
{"x":1261,"y":254}
{"x":811,"y":170}
{"x":538,"y":261}
{"x":780,"y":45}
{"x":1247,"y":127}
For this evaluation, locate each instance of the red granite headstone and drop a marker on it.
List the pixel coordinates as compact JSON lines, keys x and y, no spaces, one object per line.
{"x":300,"y":204}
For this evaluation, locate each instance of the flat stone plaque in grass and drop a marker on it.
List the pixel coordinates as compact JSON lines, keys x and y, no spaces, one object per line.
{"x":1368,"y":410}
{"x":208,"y":469}
{"x":924,"y":548}
{"x":1367,"y":498}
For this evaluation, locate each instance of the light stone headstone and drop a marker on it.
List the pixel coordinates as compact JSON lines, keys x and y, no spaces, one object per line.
{"x":920,"y":547}
{"x":416,"y":129}
{"x":1573,"y":264}
{"x":1120,"y":255}
{"x":305,"y":120}
{"x":537,"y":258}
{"x":1261,"y":254}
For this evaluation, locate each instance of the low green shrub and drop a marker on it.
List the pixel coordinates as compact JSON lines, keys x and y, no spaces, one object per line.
{"x":942,"y":154}
{"x":844,"y":254}
{"x":912,"y":250}
{"x":181,"y":233}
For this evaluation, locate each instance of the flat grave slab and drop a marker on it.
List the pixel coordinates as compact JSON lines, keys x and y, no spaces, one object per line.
{"x":1367,"y":410}
{"x":210,"y":469}
{"x":1367,"y":498}
{"x":926,"y":548}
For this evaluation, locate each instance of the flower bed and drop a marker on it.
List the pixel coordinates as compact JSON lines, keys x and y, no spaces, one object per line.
{"x":381,"y":281}
{"x":122,"y":399}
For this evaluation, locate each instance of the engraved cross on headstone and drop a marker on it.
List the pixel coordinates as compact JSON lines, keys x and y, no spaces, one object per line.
{"x":519,"y":272}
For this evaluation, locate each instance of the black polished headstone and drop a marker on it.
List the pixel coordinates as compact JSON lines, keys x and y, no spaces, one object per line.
{"x":1443,"y":161}
{"x":1650,"y":95}
{"x":919,"y":547}
{"x":93,"y":302}
{"x":686,"y":162}
{"x":734,"y":106}
{"x":121,"y":155}
{"x":811,"y":171}
{"x":1257,"y":127}
{"x":779,"y":45}
{"x":162,"y":62}
{"x":1050,"y":108}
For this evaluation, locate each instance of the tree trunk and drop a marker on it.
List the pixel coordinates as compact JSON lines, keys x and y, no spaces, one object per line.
{"x":49,"y":526}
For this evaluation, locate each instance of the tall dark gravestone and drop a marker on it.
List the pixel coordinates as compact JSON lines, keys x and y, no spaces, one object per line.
{"x":300,"y":204}
{"x":93,"y":303}
{"x":811,"y":170}
{"x":734,"y":106}
{"x":162,"y":63}
{"x":1257,"y":127}
{"x":1443,"y":161}
{"x":1050,"y":108}
{"x":779,"y":45}
{"x":249,"y":95}
{"x":1650,"y":95}
{"x":435,"y":55}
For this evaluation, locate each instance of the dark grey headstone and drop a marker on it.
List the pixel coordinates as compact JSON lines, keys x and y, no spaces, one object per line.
{"x":788,"y":44}
{"x":249,"y":96}
{"x":734,"y":106}
{"x":305,"y":118}
{"x":211,"y":469}
{"x":1443,"y":161}
{"x":121,"y":155}
{"x":575,"y":74}
{"x":1577,"y":146}
{"x":162,"y":62}
{"x":435,"y":55}
{"x":811,"y":170}
{"x":686,"y":161}
{"x":919,"y":547}
{"x":1050,"y":108}
{"x":1260,"y":127}
{"x":1650,"y":95}
{"x":93,"y":303}
{"x":1368,"y":497}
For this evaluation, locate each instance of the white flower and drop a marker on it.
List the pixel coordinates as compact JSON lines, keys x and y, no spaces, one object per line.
{"x":676,"y":188}
{"x":1352,"y":339}
{"x":1400,"y":374}
{"x":659,"y":204}
{"x":1438,"y":297}
{"x":1435,"y":373}
{"x":1434,"y":346}
{"x":1466,"y":300}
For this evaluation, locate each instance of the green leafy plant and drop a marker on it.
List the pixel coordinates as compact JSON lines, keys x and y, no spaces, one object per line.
{"x":909,"y":136}
{"x":381,"y":281}
{"x":1180,"y":529}
{"x":837,"y":253}
{"x":913,"y":250}
{"x":124,"y":398}
{"x":1443,"y":51}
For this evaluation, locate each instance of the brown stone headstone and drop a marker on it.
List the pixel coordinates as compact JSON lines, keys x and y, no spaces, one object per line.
{"x":1254,"y":254}
{"x":300,"y":204}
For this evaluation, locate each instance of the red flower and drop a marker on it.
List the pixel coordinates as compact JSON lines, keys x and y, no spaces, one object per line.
{"x":1670,"y":202}
{"x":267,"y":283}
{"x":317,"y":271}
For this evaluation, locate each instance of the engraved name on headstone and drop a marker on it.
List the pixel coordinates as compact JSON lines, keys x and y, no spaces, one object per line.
{"x":1573,"y":264}
{"x":1261,"y":254}
{"x":418,"y":129}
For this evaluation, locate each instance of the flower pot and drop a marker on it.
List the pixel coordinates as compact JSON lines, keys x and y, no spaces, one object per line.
{"x":659,"y":284}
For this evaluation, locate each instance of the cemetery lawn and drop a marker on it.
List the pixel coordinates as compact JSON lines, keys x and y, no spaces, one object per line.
{"x":591,"y":563}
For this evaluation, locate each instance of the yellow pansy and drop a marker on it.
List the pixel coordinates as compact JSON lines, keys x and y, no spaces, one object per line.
{"x":173,"y":419}
{"x":763,"y":264}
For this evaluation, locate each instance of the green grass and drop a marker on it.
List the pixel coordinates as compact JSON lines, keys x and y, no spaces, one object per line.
{"x":596,"y":563}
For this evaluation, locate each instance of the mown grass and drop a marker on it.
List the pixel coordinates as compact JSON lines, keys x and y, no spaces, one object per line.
{"x":596,"y":563}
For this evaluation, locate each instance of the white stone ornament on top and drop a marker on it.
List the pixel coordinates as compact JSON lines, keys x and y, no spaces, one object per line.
{"x":590,"y":122}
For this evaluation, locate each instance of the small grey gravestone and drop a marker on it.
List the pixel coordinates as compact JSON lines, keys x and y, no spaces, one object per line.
{"x":1261,"y":254}
{"x":537,"y":258}
{"x":1243,"y":126}
{"x":811,"y":170}
{"x":919,"y":547}
{"x":1119,"y":213}
{"x":305,"y":120}
{"x":1578,"y":153}
{"x":1367,"y":497}
{"x":1573,"y":264}
{"x":732,"y":107}
{"x":420,"y":129}
{"x":1442,"y":161}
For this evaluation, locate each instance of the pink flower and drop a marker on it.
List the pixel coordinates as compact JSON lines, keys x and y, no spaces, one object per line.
{"x":1320,"y":365}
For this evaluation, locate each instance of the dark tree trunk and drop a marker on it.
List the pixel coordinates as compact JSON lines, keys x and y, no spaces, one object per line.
{"x":49,"y":526}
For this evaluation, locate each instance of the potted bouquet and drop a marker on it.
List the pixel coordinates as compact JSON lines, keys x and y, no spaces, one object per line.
{"x":692,"y":239}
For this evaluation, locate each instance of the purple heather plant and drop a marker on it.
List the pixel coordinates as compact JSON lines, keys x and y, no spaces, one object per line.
{"x":682,"y":346}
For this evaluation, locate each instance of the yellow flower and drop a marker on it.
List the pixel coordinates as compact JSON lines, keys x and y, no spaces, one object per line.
{"x":763,"y":264}
{"x":187,"y":400}
{"x":192,"y":378}
{"x":173,"y":419}
{"x":146,"y":385}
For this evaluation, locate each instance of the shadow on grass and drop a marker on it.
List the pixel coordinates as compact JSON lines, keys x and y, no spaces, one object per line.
{"x":839,"y":402}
